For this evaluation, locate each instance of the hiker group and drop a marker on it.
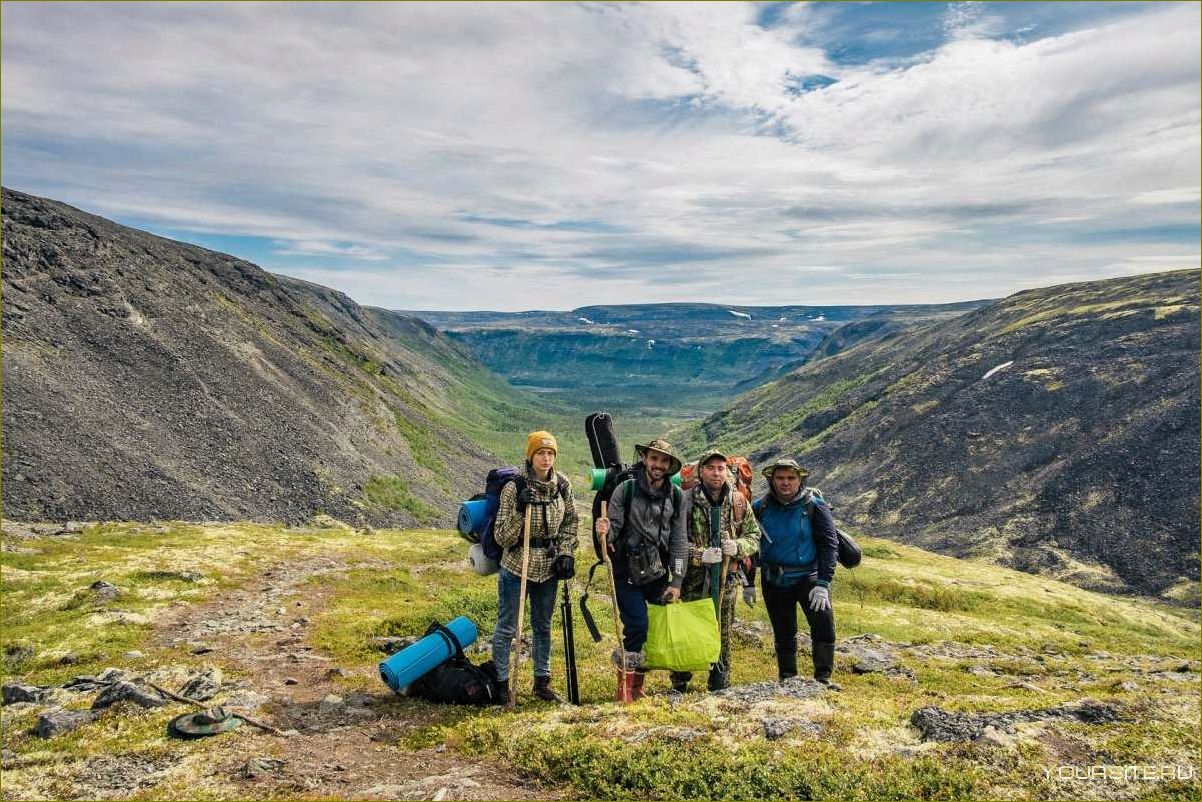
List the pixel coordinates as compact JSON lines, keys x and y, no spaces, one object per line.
{"x":662,"y":543}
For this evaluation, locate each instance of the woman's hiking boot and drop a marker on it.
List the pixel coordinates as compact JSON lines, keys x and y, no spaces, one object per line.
{"x":680,"y":681}
{"x":502,"y":691}
{"x":544,"y":691}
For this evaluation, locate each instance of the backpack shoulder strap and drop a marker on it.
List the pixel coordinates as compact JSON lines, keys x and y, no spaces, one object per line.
{"x":449,"y":636}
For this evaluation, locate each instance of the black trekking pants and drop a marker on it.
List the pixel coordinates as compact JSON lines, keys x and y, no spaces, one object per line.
{"x":781,"y":604}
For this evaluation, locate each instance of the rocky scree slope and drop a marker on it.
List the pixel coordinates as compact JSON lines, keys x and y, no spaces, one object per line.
{"x":146,"y":378}
{"x":1056,"y":431}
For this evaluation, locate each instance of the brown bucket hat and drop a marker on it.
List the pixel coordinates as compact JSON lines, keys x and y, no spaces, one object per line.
{"x":663,"y":447}
{"x":213,"y":721}
{"x":791,"y":464}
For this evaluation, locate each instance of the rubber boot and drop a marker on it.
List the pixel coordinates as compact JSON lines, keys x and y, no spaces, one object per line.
{"x":680,"y":681}
{"x":636,"y":685}
{"x":544,"y":691}
{"x":718,"y":679}
{"x":786,"y":663}
{"x":824,"y":662}
{"x":503,"y":692}
{"x":625,"y":680}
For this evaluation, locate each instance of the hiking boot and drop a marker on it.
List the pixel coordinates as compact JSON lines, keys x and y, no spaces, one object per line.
{"x":824,"y":661}
{"x":625,"y":681}
{"x":680,"y":681}
{"x":636,"y":686}
{"x":502,"y":691}
{"x":544,"y":691}
{"x":718,"y":679}
{"x":786,"y":663}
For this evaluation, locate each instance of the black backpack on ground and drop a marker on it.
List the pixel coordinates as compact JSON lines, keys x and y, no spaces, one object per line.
{"x":456,"y":681}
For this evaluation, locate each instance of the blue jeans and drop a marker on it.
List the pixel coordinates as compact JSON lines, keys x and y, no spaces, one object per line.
{"x":540,"y":601}
{"x":632,"y":607}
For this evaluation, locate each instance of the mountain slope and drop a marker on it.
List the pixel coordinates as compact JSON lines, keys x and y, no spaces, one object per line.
{"x":1055,"y":431}
{"x":146,"y":378}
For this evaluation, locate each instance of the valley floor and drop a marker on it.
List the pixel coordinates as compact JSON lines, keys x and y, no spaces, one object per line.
{"x":959,"y":680}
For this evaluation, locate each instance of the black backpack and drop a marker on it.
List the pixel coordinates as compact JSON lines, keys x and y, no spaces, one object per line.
{"x":456,"y":681}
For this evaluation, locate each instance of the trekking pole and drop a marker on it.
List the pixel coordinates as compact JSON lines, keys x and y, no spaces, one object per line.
{"x":569,"y":644}
{"x":517,"y":639}
{"x":613,"y":591}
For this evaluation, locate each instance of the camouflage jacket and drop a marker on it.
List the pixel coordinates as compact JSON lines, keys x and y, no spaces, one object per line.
{"x":745,"y":533}
{"x":553,"y":526}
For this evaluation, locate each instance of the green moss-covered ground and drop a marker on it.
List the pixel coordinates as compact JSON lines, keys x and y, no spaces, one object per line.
{"x":975,"y":637}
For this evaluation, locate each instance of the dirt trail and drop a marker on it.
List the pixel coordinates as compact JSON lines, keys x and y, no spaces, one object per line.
{"x":259,"y":636}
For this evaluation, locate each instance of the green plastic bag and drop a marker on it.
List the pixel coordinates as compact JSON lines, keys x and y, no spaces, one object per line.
{"x":682,"y":636}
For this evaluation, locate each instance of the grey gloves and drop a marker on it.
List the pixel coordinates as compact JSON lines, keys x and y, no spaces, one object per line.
{"x":749,"y":595}
{"x":711,"y":556}
{"x":820,"y":599}
{"x":730,"y":548}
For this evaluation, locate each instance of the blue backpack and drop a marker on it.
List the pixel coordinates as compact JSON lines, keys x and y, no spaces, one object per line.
{"x":494,"y":483}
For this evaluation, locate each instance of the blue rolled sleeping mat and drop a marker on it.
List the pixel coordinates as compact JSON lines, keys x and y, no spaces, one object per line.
{"x":413,"y":662}
{"x":473,"y":515}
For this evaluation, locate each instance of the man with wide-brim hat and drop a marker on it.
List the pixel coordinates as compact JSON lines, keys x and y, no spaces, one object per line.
{"x":662,"y":447}
{"x":720,"y":536}
{"x":645,"y":530}
{"x":798,"y":550}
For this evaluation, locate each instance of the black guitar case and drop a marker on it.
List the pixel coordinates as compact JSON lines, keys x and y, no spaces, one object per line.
{"x":603,"y":440}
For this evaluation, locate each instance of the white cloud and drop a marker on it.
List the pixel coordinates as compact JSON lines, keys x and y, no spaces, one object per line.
{"x":430,"y":155}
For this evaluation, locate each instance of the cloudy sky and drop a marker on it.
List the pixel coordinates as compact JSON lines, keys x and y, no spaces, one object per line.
{"x":496,"y":156}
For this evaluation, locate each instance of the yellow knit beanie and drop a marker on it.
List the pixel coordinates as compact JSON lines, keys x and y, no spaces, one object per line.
{"x":537,"y":440}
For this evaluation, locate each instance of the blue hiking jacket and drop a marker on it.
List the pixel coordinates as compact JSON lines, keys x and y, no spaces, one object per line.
{"x":794,"y":542}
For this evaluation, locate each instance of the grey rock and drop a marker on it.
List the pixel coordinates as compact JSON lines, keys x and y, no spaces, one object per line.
{"x":937,"y":724}
{"x":775,"y":728}
{"x":16,"y":692}
{"x":133,"y":654}
{"x":128,"y":692}
{"x":752,"y":633}
{"x":17,"y":656}
{"x":867,"y":659}
{"x":203,"y":686}
{"x":261,"y":766}
{"x":248,"y":699}
{"x":333,"y":703}
{"x":85,"y":683}
{"x":53,"y":723}
{"x":104,"y":591}
{"x":110,"y":675}
{"x":391,"y":644}
{"x":794,"y":687}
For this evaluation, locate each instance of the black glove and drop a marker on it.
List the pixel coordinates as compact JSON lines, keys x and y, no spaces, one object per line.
{"x":523,"y":498}
{"x":564,"y":566}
